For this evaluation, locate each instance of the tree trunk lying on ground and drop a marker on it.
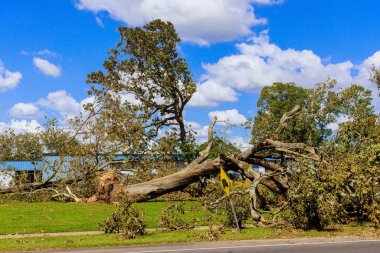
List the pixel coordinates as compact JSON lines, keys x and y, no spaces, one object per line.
{"x":275,"y":178}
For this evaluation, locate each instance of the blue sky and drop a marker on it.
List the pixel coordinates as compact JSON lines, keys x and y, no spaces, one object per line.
{"x":234,"y":48}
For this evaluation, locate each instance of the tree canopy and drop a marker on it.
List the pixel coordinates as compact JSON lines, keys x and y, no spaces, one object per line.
{"x":145,"y":80}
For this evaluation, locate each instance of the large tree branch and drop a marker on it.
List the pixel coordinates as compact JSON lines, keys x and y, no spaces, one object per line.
{"x":282,"y":125}
{"x":205,"y":153}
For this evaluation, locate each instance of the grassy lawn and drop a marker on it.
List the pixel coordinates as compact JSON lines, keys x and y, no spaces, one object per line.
{"x":22,"y":218}
{"x":103,"y":240}
{"x":63,"y":217}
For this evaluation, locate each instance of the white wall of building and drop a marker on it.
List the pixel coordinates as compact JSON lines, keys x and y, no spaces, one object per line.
{"x":6,"y":178}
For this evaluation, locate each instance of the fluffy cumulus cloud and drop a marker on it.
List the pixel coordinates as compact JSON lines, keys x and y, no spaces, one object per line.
{"x":197,"y":21}
{"x":61,"y":102}
{"x":211,"y":93}
{"x":25,"y":110}
{"x":46,"y":67}
{"x":228,"y":117}
{"x":8,"y":79}
{"x":259,"y":63}
{"x":21,"y":126}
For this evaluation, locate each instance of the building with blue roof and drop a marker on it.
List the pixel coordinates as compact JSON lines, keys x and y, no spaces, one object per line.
{"x":34,"y":170}
{"x":31,"y":171}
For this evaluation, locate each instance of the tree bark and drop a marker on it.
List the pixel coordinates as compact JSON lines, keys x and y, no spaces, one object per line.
{"x":174,"y":182}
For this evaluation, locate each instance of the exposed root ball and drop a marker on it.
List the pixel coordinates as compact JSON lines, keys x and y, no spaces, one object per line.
{"x":109,"y":185}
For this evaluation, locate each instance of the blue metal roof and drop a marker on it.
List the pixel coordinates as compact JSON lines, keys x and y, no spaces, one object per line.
{"x":32,"y":165}
{"x":272,"y":159}
{"x":20,"y":165}
{"x":152,"y":157}
{"x":49,"y":160}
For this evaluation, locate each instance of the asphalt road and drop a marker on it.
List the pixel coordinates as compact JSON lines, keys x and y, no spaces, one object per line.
{"x":308,"y":245}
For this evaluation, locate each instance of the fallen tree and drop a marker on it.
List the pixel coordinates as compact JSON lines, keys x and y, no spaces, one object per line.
{"x":241,"y":163}
{"x":275,"y":179}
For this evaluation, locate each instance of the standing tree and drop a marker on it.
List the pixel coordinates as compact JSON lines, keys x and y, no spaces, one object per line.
{"x":274,"y":101}
{"x":319,"y":109}
{"x":146,"y":78}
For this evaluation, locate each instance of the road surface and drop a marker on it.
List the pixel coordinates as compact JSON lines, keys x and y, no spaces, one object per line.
{"x":305,"y":245}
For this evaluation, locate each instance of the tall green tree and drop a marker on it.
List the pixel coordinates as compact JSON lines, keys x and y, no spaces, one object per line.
{"x":309,"y":126}
{"x":274,"y":101}
{"x":361,"y":120}
{"x":144,"y":80}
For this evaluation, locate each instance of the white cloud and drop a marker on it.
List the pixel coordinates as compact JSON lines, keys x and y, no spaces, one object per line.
{"x":210,"y":93}
{"x":335,"y":125}
{"x":24,"y":110}
{"x":201,"y":132}
{"x":228,"y":116}
{"x":130,"y":98}
{"x":87,"y":100}
{"x":259,"y":63}
{"x":24,"y":52}
{"x":61,"y":102}
{"x":197,"y":21}
{"x":99,"y":22}
{"x":58,"y":104}
{"x":21,"y":126}
{"x":240,"y":143}
{"x":8,"y":79}
{"x":46,"y":67}
{"x":44,"y":52}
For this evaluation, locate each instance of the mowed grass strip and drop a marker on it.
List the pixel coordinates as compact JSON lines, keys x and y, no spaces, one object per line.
{"x":50,"y":217}
{"x":107,"y":240}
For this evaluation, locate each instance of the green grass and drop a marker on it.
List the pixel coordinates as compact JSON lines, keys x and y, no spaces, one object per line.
{"x":23,"y":218}
{"x":103,"y":240}
{"x":106,"y":240}
{"x":20,"y":217}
